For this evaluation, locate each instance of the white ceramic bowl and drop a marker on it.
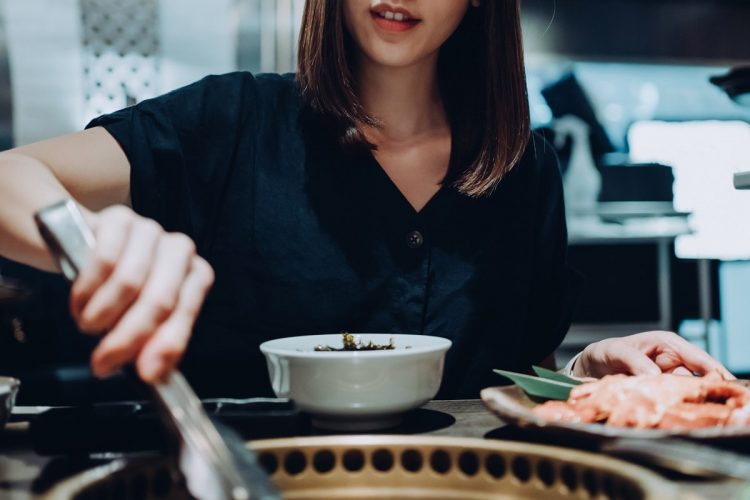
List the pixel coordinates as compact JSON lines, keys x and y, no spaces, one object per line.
{"x":356,"y":390}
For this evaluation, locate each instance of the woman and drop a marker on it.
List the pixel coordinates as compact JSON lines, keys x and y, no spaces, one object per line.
{"x":391,"y":185}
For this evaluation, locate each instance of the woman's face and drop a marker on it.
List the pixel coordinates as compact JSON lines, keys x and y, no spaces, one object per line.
{"x":400,"y":33}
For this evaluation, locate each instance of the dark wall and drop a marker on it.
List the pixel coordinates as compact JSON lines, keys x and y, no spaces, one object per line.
{"x":621,"y":285}
{"x":701,"y":31}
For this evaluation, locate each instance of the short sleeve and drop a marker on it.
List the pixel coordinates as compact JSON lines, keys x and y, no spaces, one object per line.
{"x":182,"y":147}
{"x":555,"y":286}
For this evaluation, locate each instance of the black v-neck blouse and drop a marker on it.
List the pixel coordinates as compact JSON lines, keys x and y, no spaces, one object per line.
{"x":307,"y":240}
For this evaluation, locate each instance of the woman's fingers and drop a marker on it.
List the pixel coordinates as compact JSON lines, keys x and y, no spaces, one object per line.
{"x":112,"y":227}
{"x":156,"y":302}
{"x":614,"y":356}
{"x":667,"y":360}
{"x":631,"y":360}
{"x":693,"y":358}
{"x":165,"y":349}
{"x":117,"y":293}
{"x":681,"y":370}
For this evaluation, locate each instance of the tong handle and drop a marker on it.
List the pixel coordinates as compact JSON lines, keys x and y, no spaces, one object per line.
{"x":67,"y":235}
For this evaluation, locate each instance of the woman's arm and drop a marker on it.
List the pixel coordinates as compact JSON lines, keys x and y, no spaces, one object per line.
{"x":142,"y":285}
{"x":88,"y":166}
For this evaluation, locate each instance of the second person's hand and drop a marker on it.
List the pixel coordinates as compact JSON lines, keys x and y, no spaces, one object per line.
{"x":143,"y":288}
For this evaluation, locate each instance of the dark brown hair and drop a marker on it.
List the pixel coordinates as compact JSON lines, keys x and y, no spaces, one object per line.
{"x":481,"y":76}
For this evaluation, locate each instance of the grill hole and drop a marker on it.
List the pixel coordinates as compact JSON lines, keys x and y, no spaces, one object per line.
{"x":162,"y":482}
{"x":630,"y":491}
{"x":468,"y":463}
{"x":590,"y":482}
{"x":295,"y":463}
{"x":116,"y":491}
{"x":569,"y":477}
{"x":112,"y":491}
{"x":608,"y":485}
{"x":546,"y":472}
{"x":179,"y":484}
{"x":121,"y":490}
{"x":521,"y":469}
{"x":440,"y":461}
{"x":324,"y":461}
{"x":140,"y":486}
{"x":353,"y":460}
{"x":495,"y":465}
{"x":382,"y":460}
{"x":269,"y":462}
{"x":103,"y":492}
{"x":411,"y":460}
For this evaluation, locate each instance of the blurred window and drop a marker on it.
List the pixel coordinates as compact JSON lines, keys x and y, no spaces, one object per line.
{"x":704,"y":155}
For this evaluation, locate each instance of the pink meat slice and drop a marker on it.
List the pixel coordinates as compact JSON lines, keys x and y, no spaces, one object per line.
{"x":695,"y":416}
{"x":663,"y":401}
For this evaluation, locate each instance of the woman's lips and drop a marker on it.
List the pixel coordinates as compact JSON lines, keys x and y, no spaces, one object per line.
{"x":393,"y":25}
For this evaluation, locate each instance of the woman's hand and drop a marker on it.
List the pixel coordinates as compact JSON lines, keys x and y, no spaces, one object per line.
{"x":647,"y":353}
{"x":143,"y":289}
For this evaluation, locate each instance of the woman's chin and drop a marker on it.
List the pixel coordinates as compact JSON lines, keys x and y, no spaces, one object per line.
{"x":395,"y":55}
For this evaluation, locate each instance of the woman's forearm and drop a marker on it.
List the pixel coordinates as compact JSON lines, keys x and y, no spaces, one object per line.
{"x":87,"y":166}
{"x":26,"y":185}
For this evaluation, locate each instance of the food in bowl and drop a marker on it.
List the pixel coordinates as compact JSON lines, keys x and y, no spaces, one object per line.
{"x":662,"y":401}
{"x":354,"y":343}
{"x":356,"y":390}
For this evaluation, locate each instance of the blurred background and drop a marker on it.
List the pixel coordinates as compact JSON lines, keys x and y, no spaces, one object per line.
{"x":648,"y":146}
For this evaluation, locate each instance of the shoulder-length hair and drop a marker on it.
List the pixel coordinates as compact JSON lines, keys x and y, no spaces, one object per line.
{"x":481,"y":76}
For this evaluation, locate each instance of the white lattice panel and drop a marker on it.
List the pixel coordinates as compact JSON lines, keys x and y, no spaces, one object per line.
{"x":71,"y":60}
{"x":121,"y":53}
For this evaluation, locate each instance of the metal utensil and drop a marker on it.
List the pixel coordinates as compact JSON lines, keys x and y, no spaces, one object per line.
{"x":682,"y":456}
{"x":214,"y":460}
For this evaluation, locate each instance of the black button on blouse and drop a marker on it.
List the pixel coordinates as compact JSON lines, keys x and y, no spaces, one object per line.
{"x":414,"y":239}
{"x":307,"y":240}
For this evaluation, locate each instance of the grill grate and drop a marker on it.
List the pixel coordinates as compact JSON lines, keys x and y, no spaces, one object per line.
{"x":377,"y":467}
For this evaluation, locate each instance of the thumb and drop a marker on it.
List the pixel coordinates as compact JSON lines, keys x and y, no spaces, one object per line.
{"x":633,"y":361}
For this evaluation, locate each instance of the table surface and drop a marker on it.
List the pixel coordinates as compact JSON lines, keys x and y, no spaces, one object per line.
{"x":637,"y":230}
{"x":19,"y":466}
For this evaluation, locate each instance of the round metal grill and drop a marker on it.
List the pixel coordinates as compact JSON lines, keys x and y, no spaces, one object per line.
{"x":379,"y":467}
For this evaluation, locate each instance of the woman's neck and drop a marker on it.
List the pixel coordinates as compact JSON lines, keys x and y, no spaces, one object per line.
{"x":406,"y":101}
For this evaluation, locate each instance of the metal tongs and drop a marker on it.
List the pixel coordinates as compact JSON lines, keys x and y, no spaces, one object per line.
{"x":213,"y":458}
